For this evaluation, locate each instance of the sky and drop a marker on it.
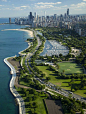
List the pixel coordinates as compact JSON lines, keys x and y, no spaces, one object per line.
{"x":22,"y":8}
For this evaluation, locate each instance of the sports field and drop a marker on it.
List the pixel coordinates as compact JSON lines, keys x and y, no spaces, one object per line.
{"x":70,"y":68}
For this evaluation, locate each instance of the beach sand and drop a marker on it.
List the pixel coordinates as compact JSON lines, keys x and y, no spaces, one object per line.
{"x":30,"y":33}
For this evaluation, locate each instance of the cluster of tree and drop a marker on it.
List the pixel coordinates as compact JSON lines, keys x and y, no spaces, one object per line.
{"x":40,"y":48}
{"x":37,"y":85}
{"x":56,"y":58}
{"x":31,"y":70}
{"x":28,"y":78}
{"x":24,"y":68}
{"x":30,"y":97}
{"x":31,"y":40}
{"x":70,"y":106}
{"x":62,"y":75}
{"x":79,"y":86}
{"x":17,"y":58}
{"x":32,"y":47}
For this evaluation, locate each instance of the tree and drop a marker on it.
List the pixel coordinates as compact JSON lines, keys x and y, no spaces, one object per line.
{"x":63,"y":71}
{"x":58,"y":66}
{"x":27,"y":93}
{"x":82,"y":112}
{"x":35,"y":104}
{"x":48,"y":78}
{"x":60,"y":55}
{"x":42,"y":75}
{"x":72,"y":112}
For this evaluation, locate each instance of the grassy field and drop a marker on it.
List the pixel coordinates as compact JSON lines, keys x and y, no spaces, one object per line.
{"x":60,"y":82}
{"x":54,"y":78}
{"x":41,"y":108}
{"x":38,"y":29}
{"x":70,"y":67}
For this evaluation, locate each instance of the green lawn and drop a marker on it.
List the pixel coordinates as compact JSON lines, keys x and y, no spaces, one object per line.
{"x":60,"y":82}
{"x":70,"y":67}
{"x":54,"y":78}
{"x":38,"y":29}
{"x":41,"y":107}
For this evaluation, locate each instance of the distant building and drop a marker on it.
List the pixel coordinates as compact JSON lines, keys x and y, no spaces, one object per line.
{"x":80,"y":32}
{"x":45,"y":14}
{"x":68,"y":12}
{"x":31,"y":17}
{"x":60,"y":24}
{"x":35,"y":15}
{"x":10,"y":20}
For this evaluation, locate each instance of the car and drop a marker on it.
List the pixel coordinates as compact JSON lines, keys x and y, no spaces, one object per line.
{"x":82,"y":98}
{"x":78,"y":98}
{"x":71,"y":92}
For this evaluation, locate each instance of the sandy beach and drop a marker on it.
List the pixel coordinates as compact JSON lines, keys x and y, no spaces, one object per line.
{"x":30,"y":33}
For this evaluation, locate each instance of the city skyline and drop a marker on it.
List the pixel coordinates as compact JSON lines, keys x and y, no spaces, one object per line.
{"x":11,"y":8}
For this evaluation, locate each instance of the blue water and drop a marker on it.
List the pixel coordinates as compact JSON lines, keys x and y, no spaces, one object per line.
{"x":11,"y":42}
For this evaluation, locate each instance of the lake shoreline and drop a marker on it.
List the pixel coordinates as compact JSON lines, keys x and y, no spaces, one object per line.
{"x":13,"y":71}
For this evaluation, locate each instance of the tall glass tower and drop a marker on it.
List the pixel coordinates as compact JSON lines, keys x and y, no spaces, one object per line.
{"x":68,"y":11}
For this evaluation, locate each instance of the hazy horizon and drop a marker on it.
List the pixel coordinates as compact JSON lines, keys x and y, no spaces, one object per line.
{"x":22,"y":8}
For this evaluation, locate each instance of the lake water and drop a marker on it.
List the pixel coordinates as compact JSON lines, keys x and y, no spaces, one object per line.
{"x":11,"y":42}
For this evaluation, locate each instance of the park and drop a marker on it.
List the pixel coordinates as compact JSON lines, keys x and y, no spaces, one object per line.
{"x":68,"y":68}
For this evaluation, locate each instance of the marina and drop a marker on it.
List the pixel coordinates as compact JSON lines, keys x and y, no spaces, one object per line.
{"x":52,"y":47}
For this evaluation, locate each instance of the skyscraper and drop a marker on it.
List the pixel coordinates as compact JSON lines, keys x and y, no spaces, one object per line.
{"x":68,"y":11}
{"x":10,"y":20}
{"x":31,"y":16}
{"x":45,"y":14}
{"x":35,"y":15}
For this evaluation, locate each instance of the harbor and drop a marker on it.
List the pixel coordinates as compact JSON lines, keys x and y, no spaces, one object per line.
{"x":52,"y":47}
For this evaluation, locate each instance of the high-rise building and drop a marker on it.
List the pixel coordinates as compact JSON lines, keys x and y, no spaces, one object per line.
{"x":31,"y":17}
{"x":68,"y":11}
{"x":37,"y":18}
{"x":55,"y":16}
{"x":35,"y":15}
{"x":10,"y":20}
{"x":45,"y":14}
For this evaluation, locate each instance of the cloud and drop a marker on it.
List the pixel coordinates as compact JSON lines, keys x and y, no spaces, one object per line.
{"x":21,"y":7}
{"x":48,"y":3}
{"x":24,"y":6}
{"x":43,"y":6}
{"x":6,"y":9}
{"x":79,"y":5}
{"x":84,"y":0}
{"x":1,"y":5}
{"x":17,"y":8}
{"x":64,"y":6}
{"x":61,"y":7}
{"x":4,"y":0}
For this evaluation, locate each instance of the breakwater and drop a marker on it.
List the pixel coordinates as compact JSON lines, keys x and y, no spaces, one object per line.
{"x":13,"y":90}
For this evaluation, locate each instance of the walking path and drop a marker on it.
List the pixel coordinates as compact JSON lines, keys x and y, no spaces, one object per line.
{"x":13,"y":90}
